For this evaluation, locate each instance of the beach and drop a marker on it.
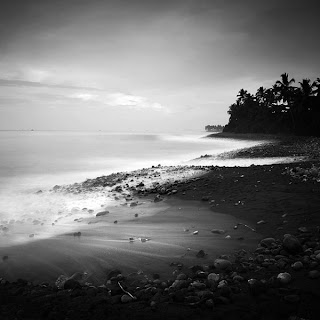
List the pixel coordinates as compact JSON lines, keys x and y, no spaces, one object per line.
{"x":159,"y":238}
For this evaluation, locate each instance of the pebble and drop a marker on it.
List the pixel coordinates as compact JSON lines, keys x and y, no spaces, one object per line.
{"x":291,"y":244}
{"x":213,"y":277}
{"x":126,"y":298}
{"x":222,"y":264}
{"x":284,"y":277}
{"x":298,"y":265}
{"x":218,"y":231}
{"x":102,"y":213}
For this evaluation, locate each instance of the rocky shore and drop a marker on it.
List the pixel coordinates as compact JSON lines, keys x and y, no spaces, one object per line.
{"x":279,"y":279}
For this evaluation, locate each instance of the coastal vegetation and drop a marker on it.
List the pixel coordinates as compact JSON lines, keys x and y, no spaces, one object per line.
{"x":283,"y":108}
{"x":214,"y":128}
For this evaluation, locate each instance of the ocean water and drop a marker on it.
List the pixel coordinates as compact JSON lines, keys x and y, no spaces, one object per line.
{"x":34,"y":160}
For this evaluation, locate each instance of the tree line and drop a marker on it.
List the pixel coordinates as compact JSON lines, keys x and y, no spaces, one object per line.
{"x":214,"y":128}
{"x":283,"y":108}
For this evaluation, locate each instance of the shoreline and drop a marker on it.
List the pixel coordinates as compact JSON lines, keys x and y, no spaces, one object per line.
{"x":272,"y":199}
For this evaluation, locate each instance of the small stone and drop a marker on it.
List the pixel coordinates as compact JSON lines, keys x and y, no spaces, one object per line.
{"x":209,"y":303}
{"x":298,"y":265}
{"x":218,"y":231}
{"x":284,"y":277}
{"x":71,"y":284}
{"x":238,"y":278}
{"x":126,"y":298}
{"x":222,"y":264}
{"x":195,"y":232}
{"x":198,"y":285}
{"x":213,"y":277}
{"x":267,"y":242}
{"x":222,"y":284}
{"x":261,"y":222}
{"x":101,"y":213}
{"x":228,"y":237}
{"x":291,"y":244}
{"x":201,"y":254}
{"x":303,"y":229}
{"x":318,"y":256}
{"x":182,"y":276}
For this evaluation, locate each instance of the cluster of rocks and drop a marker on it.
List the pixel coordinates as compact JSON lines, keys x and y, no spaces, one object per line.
{"x":304,"y":174}
{"x":265,"y":280}
{"x":160,"y":180}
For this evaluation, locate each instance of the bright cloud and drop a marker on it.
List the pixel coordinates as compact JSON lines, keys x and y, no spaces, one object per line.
{"x":119,"y":99}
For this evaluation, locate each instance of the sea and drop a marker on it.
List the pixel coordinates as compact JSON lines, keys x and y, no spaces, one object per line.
{"x":38,"y":160}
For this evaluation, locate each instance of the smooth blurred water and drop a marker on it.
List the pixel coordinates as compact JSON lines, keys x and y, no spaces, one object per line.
{"x":33,"y":160}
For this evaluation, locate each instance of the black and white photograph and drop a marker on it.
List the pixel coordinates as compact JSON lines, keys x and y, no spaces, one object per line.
{"x":159,"y":159}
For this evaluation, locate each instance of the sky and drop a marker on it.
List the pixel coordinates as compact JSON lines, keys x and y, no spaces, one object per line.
{"x":146,"y":65}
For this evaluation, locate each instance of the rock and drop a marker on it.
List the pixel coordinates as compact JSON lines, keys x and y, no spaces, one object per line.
{"x":303,"y":229}
{"x":314,"y":274}
{"x":218,"y":231}
{"x":102,"y":213}
{"x":198,"y":285}
{"x":318,"y":256}
{"x":133,"y":204}
{"x":5,"y":258}
{"x":71,"y":284}
{"x":205,"y":198}
{"x":267,"y":242}
{"x":261,"y":222}
{"x":284,"y":277}
{"x":292,"y":298}
{"x":298,"y":265}
{"x":222,"y":284}
{"x":126,"y":298}
{"x":291,"y":244}
{"x":222,"y":264}
{"x":113,"y":273}
{"x":213,"y":277}
{"x":201,"y":254}
{"x":182,"y":276}
{"x":157,"y":198}
{"x":209,"y":303}
{"x":195,"y":232}
{"x":238,"y":278}
{"x":179,"y":284}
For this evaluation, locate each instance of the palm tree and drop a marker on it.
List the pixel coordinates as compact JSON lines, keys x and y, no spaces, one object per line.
{"x":286,"y":94}
{"x":316,"y":85}
{"x":306,"y":88}
{"x":242,"y":96}
{"x":285,"y":88}
{"x":260,"y":95}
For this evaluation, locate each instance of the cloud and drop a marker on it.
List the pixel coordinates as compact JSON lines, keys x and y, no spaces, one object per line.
{"x":119,"y":99}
